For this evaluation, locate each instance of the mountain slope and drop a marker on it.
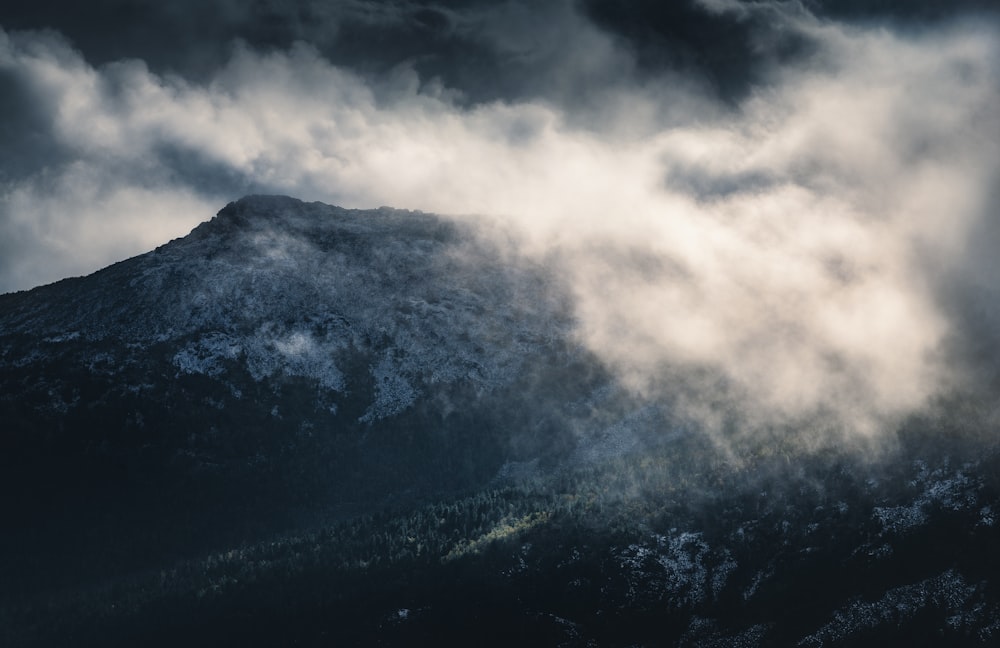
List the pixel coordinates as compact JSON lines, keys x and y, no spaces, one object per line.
{"x":302,"y":424}
{"x":284,"y":359}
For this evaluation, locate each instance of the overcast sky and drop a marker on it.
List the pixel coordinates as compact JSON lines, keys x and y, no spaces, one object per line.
{"x":800,"y":195}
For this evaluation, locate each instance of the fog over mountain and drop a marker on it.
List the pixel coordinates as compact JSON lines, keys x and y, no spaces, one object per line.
{"x":301,"y":422}
{"x":803,"y":208}
{"x":532,"y":239}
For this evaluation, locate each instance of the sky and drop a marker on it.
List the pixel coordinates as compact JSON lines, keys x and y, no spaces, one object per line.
{"x":790,"y":203}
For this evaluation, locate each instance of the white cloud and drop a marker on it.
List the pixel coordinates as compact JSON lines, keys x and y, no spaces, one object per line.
{"x":79,"y":219}
{"x":792,"y":248}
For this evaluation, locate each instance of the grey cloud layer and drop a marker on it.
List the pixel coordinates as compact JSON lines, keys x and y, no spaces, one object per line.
{"x":820,"y":247}
{"x":488,"y":50}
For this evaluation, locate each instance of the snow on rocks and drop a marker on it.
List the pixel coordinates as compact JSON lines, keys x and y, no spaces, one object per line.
{"x":952,"y":490}
{"x":679,"y":568}
{"x":284,"y":288}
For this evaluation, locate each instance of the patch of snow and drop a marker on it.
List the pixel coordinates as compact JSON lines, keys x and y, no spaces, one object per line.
{"x":948,"y":590}
{"x":721,"y":572}
{"x":987,"y":517}
{"x":292,"y":353}
{"x":31,"y":357}
{"x":207,"y":355}
{"x":755,"y":584}
{"x":705,"y":633}
{"x":953,"y":491}
{"x":896,"y":519}
{"x":393,"y":392}
{"x":672,"y":567}
{"x":64,"y":337}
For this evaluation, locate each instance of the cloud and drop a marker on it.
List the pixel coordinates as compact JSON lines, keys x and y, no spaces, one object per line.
{"x":490,"y":50}
{"x":83,"y":218}
{"x":813,"y":252}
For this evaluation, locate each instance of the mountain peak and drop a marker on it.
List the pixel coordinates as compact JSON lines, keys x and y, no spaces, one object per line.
{"x":257,"y":210}
{"x":278,"y":289}
{"x":320,"y":222}
{"x":259,"y":205}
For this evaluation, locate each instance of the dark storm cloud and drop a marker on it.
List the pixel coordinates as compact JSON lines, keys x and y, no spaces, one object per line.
{"x":193,"y":38}
{"x":486,"y":50}
{"x":732,"y":51}
{"x":927,"y":11}
{"x":191,"y":168}
{"x":26,"y":113}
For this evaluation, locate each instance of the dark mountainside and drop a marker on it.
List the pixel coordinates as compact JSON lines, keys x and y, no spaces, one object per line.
{"x":305,"y":425}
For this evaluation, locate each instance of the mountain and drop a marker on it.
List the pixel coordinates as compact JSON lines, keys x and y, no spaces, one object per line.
{"x":306,"y":425}
{"x":284,"y":355}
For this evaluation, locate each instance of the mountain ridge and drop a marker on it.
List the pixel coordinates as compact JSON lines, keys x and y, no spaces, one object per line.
{"x":371,"y":423}
{"x":298,"y":353}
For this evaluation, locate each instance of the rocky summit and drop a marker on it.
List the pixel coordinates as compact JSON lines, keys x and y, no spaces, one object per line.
{"x":308,"y":425}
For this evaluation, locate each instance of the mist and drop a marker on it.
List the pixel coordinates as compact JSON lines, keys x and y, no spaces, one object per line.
{"x":810,"y":254}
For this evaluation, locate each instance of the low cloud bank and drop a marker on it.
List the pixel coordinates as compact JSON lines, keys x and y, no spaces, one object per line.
{"x":818,"y":252}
